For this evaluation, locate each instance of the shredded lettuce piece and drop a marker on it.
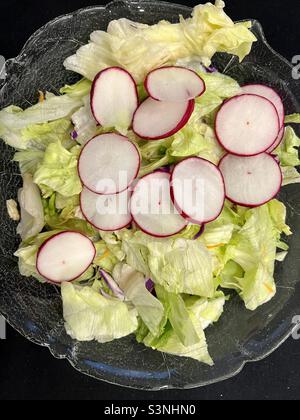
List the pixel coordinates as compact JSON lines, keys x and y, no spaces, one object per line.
{"x":140,"y":48}
{"x":148,"y":307}
{"x":14,"y":121}
{"x":205,"y":311}
{"x":77,"y":90}
{"x":292,"y":119}
{"x":253,"y":249}
{"x":90,"y":316}
{"x":177,"y":264}
{"x":58,"y":171}
{"x":178,"y":316}
{"x":32,"y":211}
{"x":288,"y":151}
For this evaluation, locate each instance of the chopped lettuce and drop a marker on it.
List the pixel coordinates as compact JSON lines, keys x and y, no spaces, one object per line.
{"x":29,"y":160}
{"x":292,"y":119}
{"x":58,"y":171}
{"x":177,"y":264}
{"x":104,"y":258}
{"x":178,"y":316}
{"x":181,"y":266}
{"x":253,"y":249}
{"x":219,"y":84}
{"x":184,"y":333}
{"x":288,"y":154}
{"x":140,"y":48}
{"x":85,"y":125}
{"x":170,"y":343}
{"x":288,"y":151}
{"x":114,"y":245}
{"x":32,"y":211}
{"x":148,"y":307}
{"x":14,"y":121}
{"x":90,"y":316}
{"x":205,"y":311}
{"x":77,"y":90}
{"x":290,"y":176}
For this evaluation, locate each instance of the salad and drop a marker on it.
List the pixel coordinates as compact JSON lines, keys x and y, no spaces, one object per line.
{"x":149,"y":186}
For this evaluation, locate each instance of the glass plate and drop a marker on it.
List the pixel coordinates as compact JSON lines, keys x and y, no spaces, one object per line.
{"x":35,"y":310}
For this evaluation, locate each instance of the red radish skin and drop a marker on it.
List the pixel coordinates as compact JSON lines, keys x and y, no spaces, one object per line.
{"x":229,"y":133}
{"x":106,"y":223}
{"x":257,"y":187}
{"x":270,"y":94}
{"x":55,"y":237}
{"x":131,"y":85}
{"x":278,"y":140}
{"x":176,"y":199}
{"x":162,"y":85}
{"x":180,"y":222}
{"x":118,"y":147}
{"x":159,"y":119}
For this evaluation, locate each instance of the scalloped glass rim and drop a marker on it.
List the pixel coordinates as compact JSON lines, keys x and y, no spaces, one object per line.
{"x":35,"y":310}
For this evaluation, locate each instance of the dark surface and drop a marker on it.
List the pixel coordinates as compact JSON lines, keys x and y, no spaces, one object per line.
{"x":30,"y":372}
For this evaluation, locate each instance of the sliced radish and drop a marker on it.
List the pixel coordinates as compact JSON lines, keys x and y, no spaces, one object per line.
{"x":268,"y":93}
{"x":65,"y":257}
{"x":152,"y":208}
{"x":247,"y":125}
{"x":197,"y":189}
{"x":278,"y":140}
{"x":108,"y":164}
{"x":251,"y":181}
{"x":106,"y":212}
{"x":114,"y":98}
{"x":174,"y":84}
{"x":156,"y":120}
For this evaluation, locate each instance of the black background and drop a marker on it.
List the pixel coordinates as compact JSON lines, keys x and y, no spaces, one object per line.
{"x":29,"y":372}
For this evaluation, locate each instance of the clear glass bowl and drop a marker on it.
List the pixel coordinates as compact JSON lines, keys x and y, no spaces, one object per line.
{"x":35,"y":310}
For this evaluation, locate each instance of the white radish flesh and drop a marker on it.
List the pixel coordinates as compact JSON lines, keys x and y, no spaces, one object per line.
{"x":65,"y":257}
{"x":108,"y":164}
{"x":197,"y":190}
{"x":247,"y":125}
{"x":174,"y":84}
{"x":268,"y":93}
{"x":114,"y":98}
{"x":251,"y":181}
{"x":152,"y":208}
{"x":278,"y":140}
{"x":156,"y":120}
{"x":106,"y":212}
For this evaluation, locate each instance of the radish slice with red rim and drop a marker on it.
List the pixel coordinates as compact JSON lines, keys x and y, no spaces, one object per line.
{"x":268,"y":93}
{"x":108,"y":164}
{"x":251,"y":181}
{"x":247,"y":125}
{"x":152,"y":208}
{"x":174,"y":84}
{"x":114,"y":98}
{"x":65,"y":257}
{"x":156,"y":120}
{"x":197,"y":190}
{"x":278,"y":140}
{"x":106,"y":212}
